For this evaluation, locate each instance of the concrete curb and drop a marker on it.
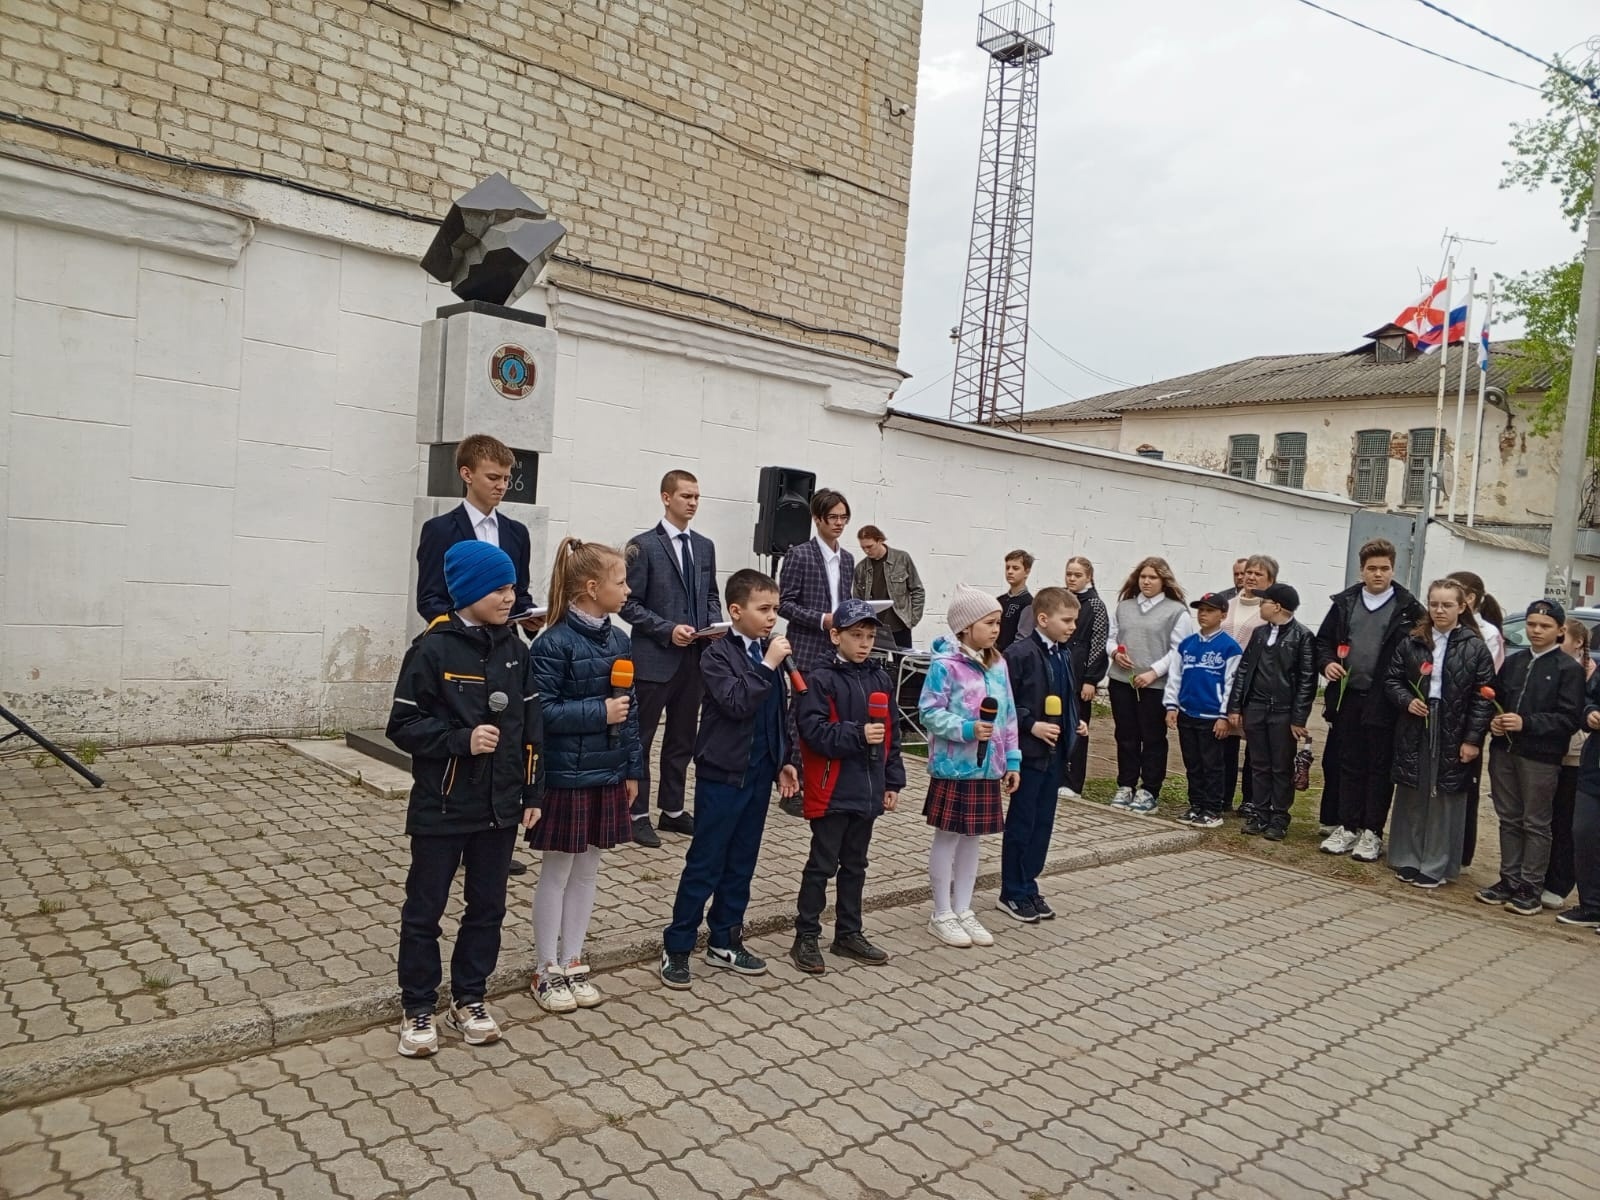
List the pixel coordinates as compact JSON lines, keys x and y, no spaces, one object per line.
{"x":63,"y":1066}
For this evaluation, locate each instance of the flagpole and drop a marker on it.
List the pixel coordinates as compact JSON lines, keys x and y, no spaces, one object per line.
{"x":1483,"y":382}
{"x":1430,"y":493}
{"x":1461,"y":396}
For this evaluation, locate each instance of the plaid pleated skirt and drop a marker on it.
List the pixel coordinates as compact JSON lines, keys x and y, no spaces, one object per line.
{"x":574,"y":819}
{"x":966,"y":806}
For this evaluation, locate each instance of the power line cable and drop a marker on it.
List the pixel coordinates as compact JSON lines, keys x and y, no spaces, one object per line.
{"x":1588,"y":85}
{"x":1082,"y":366}
{"x":1041,"y":375}
{"x":1433,"y":53}
{"x":924,"y":388}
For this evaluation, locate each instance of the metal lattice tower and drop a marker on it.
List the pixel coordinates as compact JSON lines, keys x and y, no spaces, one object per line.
{"x":992,"y":340}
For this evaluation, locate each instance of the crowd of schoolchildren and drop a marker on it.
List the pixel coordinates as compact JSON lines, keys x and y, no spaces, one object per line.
{"x":543,"y":739}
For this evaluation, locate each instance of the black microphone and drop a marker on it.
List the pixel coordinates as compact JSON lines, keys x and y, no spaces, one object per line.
{"x":987,"y":711}
{"x":497,"y":705}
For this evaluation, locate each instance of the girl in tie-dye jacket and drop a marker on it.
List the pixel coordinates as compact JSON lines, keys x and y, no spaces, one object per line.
{"x":968,"y":776}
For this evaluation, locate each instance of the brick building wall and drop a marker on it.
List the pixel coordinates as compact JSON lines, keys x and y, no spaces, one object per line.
{"x":742,"y":154}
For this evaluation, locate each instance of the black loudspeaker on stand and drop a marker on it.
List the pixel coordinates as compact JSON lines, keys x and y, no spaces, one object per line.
{"x":783,"y":518}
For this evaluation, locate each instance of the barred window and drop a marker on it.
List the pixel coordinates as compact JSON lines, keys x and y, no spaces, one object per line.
{"x":1371,"y":474}
{"x":1419,"y":461}
{"x":1244,"y":450}
{"x":1289,"y":453}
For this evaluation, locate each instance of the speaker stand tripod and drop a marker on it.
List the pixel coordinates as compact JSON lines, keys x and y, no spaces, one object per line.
{"x":21,"y":728}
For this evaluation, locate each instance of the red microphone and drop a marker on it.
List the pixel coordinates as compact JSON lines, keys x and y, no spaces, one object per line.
{"x":878,"y":710}
{"x":987,"y":712}
{"x":797,"y":681}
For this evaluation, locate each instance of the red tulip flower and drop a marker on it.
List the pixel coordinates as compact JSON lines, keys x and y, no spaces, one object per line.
{"x":1425,"y":671}
{"x":1426,"y":668}
{"x":1123,"y":650}
{"x":1487,"y":693}
{"x":1344,"y":681}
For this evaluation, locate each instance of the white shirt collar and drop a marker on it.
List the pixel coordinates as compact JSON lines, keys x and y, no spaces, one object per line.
{"x":671,"y":530}
{"x":1374,"y":603}
{"x":476,"y":515}
{"x":827,"y":554}
{"x":1541,"y":653}
{"x":1146,"y":603}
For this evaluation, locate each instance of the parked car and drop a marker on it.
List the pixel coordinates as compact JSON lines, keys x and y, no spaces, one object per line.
{"x":1517,"y":637}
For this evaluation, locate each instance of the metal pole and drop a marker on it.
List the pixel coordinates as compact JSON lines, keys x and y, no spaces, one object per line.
{"x":1483,"y":383}
{"x":1580,"y":401}
{"x":1461,"y":396}
{"x":1430,"y":493}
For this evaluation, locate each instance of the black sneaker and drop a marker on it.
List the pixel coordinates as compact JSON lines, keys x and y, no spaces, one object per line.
{"x":1525,"y":904}
{"x":1496,"y":893}
{"x":1020,"y":910}
{"x":517,"y":867}
{"x":736,"y":958}
{"x":1046,"y":913}
{"x":1188,"y":817}
{"x":643,"y":835}
{"x":675,"y":969}
{"x":792,"y":806}
{"x":1276,"y":833}
{"x":1589,"y":918}
{"x":1427,"y":882}
{"x":1406,"y":874}
{"x":682,"y":823}
{"x":1253,"y":827}
{"x":805,"y":954}
{"x":856,"y":946}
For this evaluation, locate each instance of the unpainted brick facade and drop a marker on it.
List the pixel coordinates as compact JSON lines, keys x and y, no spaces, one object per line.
{"x":744,"y":151}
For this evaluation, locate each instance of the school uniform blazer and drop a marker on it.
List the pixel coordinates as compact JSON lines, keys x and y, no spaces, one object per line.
{"x":1031,"y":681}
{"x":440,"y":533}
{"x":658,"y":600}
{"x":803,"y":600}
{"x":737,"y":692}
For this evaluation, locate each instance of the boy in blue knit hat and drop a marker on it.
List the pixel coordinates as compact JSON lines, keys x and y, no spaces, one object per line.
{"x":463,"y":713}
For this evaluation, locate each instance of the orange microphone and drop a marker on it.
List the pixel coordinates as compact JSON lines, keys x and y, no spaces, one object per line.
{"x":621,"y":684}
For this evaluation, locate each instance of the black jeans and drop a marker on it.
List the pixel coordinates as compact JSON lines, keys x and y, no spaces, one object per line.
{"x":1364,"y":760}
{"x":1332,"y":779}
{"x":1234,"y":779}
{"x":678,"y":700}
{"x":1140,"y":720}
{"x":1561,"y":875}
{"x":1078,"y":761}
{"x":1272,"y":759}
{"x":1586,"y":846}
{"x":434,"y":860}
{"x":902,"y":638}
{"x":839,"y":844}
{"x":1202,"y":761}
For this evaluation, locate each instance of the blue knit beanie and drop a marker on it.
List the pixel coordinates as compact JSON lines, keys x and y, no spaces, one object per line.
{"x":474,"y":569}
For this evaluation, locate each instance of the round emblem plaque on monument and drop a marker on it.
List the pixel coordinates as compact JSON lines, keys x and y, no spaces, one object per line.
{"x":511,"y":371}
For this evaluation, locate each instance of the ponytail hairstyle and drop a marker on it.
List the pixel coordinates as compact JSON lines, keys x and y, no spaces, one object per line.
{"x":577,"y":565}
{"x":1088,"y":567}
{"x":1486,"y":606}
{"x":1423,"y":630}
{"x":1169,"y":581}
{"x":1579,"y":633}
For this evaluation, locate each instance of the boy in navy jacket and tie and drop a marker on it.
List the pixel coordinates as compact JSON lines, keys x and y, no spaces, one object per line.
{"x":741,"y":751}
{"x":1040,"y":667}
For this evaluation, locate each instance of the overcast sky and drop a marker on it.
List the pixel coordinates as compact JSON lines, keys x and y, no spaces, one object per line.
{"x":1224,"y":178}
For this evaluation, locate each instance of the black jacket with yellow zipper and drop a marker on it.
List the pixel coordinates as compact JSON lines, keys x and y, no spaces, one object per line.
{"x":443,"y":692}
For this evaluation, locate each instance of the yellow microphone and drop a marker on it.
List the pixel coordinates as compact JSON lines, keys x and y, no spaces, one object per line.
{"x":1052,"y":706}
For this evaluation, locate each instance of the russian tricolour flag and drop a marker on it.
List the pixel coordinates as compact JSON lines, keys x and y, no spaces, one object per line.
{"x":1436,"y":334}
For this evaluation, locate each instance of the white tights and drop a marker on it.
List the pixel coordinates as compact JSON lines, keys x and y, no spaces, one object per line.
{"x":562,"y":904}
{"x":952,"y":872}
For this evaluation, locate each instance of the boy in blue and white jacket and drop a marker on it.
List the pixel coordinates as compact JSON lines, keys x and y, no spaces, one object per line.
{"x":1198,"y":682}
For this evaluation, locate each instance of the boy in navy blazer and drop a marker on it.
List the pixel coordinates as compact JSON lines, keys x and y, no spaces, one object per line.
{"x":672,"y":593}
{"x":741,"y":752}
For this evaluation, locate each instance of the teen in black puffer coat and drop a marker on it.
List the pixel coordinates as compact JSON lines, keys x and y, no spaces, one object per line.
{"x":1462,"y":713}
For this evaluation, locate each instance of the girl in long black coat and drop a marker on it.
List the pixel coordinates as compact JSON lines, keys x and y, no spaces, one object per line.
{"x":1435,"y":682}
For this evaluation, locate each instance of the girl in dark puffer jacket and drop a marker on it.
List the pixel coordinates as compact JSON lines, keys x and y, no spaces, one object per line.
{"x":1435,"y":683}
{"x":593,"y":761}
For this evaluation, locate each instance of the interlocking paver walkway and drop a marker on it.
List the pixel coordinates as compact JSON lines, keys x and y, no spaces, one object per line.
{"x":1191,"y":1026}
{"x":206,"y":876}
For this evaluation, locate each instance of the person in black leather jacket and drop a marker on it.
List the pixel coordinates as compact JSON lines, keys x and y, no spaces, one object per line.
{"x":1435,"y":683}
{"x":1271,"y":701}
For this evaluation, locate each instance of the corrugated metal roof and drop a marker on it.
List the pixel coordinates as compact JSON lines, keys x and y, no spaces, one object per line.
{"x":1273,"y":378}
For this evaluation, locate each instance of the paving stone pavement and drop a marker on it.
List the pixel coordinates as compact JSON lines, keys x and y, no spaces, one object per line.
{"x":1191,"y":1026}
{"x":214,"y":877}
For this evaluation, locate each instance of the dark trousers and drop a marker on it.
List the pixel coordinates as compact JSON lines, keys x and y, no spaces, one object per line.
{"x":1364,"y":759}
{"x":1469,"y":830}
{"x":1332,"y":779}
{"x":902,"y":638}
{"x":728,"y":823}
{"x":1524,"y":796}
{"x":434,"y":860}
{"x":1233,"y":778}
{"x":678,"y":699}
{"x":1272,"y":750}
{"x":1202,"y":762}
{"x":1140,"y":721}
{"x":1586,"y":846}
{"x":1030,"y":820}
{"x":1561,"y":874}
{"x":839,"y":844}
{"x":1078,"y":761}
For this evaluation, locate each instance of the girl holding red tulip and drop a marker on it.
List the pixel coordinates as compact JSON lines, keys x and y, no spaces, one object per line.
{"x":1435,"y":681}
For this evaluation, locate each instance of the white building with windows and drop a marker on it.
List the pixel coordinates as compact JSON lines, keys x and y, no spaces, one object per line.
{"x":1358,"y":424}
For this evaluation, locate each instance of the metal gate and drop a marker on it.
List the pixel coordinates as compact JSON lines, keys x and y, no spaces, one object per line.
{"x":1399,"y":528}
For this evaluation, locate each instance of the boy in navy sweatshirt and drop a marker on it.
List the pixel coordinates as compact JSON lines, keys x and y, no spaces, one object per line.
{"x":1040,"y":667}
{"x":740,"y":751}
{"x":1199,"y":678}
{"x":853,"y":772}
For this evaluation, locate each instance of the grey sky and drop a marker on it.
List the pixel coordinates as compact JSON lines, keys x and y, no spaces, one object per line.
{"x":1222,"y":178}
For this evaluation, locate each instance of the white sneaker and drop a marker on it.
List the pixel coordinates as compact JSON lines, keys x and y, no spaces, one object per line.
{"x":473,"y":1022}
{"x":1551,"y":900}
{"x":950,"y":931}
{"x":1339,"y":841}
{"x":551,"y":991}
{"x":1123,"y":798}
{"x":973,"y":928}
{"x":1368,"y":848}
{"x":418,"y":1036}
{"x":584,"y":993}
{"x":1143,"y":802}
{"x":1067,"y":793}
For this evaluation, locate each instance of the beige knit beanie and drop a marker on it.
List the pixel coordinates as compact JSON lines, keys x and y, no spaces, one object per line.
{"x":968,"y":606}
